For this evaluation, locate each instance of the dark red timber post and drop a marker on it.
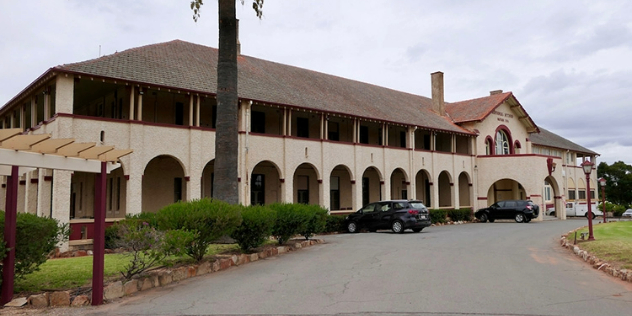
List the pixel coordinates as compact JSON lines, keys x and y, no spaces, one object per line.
{"x":10,"y":216}
{"x":99,"y":235}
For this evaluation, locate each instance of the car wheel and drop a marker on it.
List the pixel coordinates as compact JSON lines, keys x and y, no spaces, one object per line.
{"x":416,"y":230}
{"x":397,"y":227}
{"x":519,"y":218}
{"x":352,"y":227}
{"x":483,"y":218}
{"x":491,"y":220}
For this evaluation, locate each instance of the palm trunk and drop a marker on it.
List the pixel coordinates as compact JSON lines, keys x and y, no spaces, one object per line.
{"x":225,"y":186}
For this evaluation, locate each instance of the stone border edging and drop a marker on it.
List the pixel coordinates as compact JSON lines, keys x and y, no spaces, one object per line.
{"x":623,"y":274}
{"x":162,"y":277}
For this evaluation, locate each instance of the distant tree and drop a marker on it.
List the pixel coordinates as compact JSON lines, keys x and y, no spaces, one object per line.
{"x":618,"y":181}
{"x":226,"y":136}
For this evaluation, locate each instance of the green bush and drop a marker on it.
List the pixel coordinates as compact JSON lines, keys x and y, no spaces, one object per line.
{"x":256,"y":226}
{"x":438,"y":216}
{"x":616,"y":209}
{"x":112,"y":235}
{"x":208,"y":219}
{"x":315,"y":218}
{"x":290,"y":220}
{"x":335,"y":223}
{"x":148,"y":247}
{"x":460,"y":214}
{"x":35,"y":238}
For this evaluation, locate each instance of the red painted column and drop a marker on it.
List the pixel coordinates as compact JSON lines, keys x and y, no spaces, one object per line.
{"x":10,"y":216}
{"x":98,"y":247}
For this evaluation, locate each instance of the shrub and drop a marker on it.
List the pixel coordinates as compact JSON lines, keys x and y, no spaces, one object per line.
{"x":460,"y":214}
{"x":315,"y":218}
{"x":256,"y":226}
{"x":290,"y":220}
{"x":112,"y":236}
{"x":35,"y":238}
{"x":335,"y":223}
{"x":438,"y":216}
{"x":148,"y":246}
{"x":208,"y":219}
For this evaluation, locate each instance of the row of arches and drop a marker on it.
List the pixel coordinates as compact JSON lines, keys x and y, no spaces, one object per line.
{"x":164,"y":181}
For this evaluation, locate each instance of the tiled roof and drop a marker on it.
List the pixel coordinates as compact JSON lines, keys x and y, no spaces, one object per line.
{"x":188,"y":66}
{"x":475,"y":109}
{"x":549,"y":139}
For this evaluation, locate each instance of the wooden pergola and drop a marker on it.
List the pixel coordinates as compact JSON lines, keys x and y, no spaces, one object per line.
{"x":21,"y":153}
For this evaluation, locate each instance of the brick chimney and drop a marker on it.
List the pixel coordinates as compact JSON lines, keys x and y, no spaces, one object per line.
{"x":238,"y":43}
{"x":438,"y":104}
{"x":495,"y":92}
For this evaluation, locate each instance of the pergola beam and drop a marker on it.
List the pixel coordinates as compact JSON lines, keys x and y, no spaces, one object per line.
{"x":35,"y":160}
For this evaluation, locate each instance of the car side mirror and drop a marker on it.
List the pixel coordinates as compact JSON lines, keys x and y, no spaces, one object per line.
{"x":359,"y":212}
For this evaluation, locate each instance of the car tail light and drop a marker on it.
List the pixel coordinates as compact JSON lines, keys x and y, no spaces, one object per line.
{"x":529,"y":207}
{"x":413,"y":212}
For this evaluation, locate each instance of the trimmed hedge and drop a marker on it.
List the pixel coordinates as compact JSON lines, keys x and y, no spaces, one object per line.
{"x":256,"y":226}
{"x":290,"y":220}
{"x":335,"y":223}
{"x":208,"y":219}
{"x":460,"y":215}
{"x":438,"y":216}
{"x":316,"y":219}
{"x":35,"y":238}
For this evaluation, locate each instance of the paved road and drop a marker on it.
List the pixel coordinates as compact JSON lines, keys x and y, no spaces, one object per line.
{"x":501,"y":268}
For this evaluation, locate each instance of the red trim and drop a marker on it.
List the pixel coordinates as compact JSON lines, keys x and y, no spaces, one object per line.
{"x":429,"y":183}
{"x":481,"y":198}
{"x":492,"y":148}
{"x":509,"y":140}
{"x":470,"y":184}
{"x":536,"y":195}
{"x":320,"y":181}
{"x":451,"y":184}
{"x":187,"y":178}
{"x":4,"y":185}
{"x":282,"y":180}
{"x":127,"y":177}
{"x":22,"y":182}
{"x":34,"y":180}
{"x":517,"y":144}
{"x":381,"y":182}
{"x":48,"y":178}
{"x":520,"y":155}
{"x":239,"y":179}
{"x":557,"y":197}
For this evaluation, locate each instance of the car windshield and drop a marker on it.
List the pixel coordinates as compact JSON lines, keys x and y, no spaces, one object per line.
{"x":417,"y":205}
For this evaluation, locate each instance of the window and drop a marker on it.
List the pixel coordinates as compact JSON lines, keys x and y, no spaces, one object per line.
{"x":369,"y":208}
{"x":177,"y":189}
{"x":258,"y":122}
{"x":502,"y":143}
{"x":302,"y":127}
{"x":179,"y":113}
{"x":582,"y":194}
{"x":402,"y":139}
{"x":547,"y":191}
{"x":571,"y":195}
{"x":257,"y":191}
{"x":488,"y":147}
{"x":332,"y":131}
{"x":364,"y":134}
{"x":303,"y":190}
{"x":334,"y":187}
{"x":214,"y":119}
{"x":592,"y":194}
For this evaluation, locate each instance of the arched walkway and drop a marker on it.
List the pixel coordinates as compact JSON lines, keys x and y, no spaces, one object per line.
{"x":465,"y":189}
{"x":551,"y":197}
{"x":399,"y":185}
{"x":371,"y":186}
{"x":340,"y":189}
{"x":306,"y":186}
{"x":505,"y":189}
{"x":423,"y":187}
{"x":163,"y":183}
{"x":208,"y":176}
{"x":445,"y":190}
{"x":265,"y":186}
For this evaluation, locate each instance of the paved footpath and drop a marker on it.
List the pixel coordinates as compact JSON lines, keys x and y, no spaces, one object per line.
{"x":501,"y":268}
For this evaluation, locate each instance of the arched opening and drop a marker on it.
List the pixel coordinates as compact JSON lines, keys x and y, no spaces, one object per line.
{"x":208,"y":176}
{"x":445,"y":189}
{"x":371,"y":186}
{"x":489,"y":146}
{"x":517,"y":147}
{"x":306,"y":185}
{"x":581,"y":190}
{"x":572,"y":190}
{"x":163,"y":183}
{"x":551,"y":197}
{"x":82,"y":195}
{"x":503,"y":146}
{"x":505,"y":189}
{"x":340,"y":189}
{"x":399,"y":185}
{"x":265,"y":184}
{"x":423,"y":187}
{"x":464,"y":190}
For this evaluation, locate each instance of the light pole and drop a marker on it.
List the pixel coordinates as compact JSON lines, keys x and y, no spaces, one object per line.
{"x":602,"y":182}
{"x":587,"y":166}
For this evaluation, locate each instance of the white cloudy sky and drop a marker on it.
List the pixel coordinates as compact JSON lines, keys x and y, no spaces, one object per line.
{"x":569,"y":62}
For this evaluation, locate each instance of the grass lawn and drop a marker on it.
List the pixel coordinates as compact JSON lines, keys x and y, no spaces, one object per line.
{"x":613,"y":243}
{"x":70,"y":273}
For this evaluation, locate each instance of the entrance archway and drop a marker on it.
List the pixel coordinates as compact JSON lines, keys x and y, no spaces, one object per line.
{"x":552,"y":198}
{"x":306,"y":187}
{"x":505,"y":189}
{"x":208,"y":176}
{"x":423,"y":185}
{"x":371,"y":186}
{"x":399,"y":185}
{"x":340,"y":189}
{"x":445,"y":190}
{"x":265,"y":186}
{"x":163,"y":183}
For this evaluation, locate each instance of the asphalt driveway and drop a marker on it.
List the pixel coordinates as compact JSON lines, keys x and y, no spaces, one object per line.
{"x":501,"y":268}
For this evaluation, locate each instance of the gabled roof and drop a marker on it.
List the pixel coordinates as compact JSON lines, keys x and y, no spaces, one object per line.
{"x":192,"y":67}
{"x":549,"y":139}
{"x":478,"y":109}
